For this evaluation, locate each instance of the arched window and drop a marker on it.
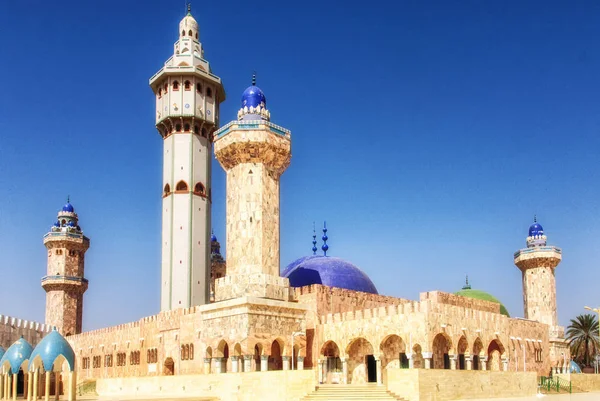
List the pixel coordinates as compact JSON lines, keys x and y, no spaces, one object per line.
{"x":186,"y":127}
{"x":181,"y":186}
{"x":191,"y":351}
{"x":195,"y":129}
{"x":182,"y":33}
{"x":199,"y":88}
{"x":159,"y":92}
{"x":178,"y":127}
{"x":204,"y":132}
{"x":199,"y":189}
{"x":208,"y":92}
{"x":167,"y":190}
{"x":196,"y":35}
{"x":166,"y":88}
{"x":183,"y":352}
{"x":190,"y":32}
{"x":187,"y":85}
{"x":175,"y":85}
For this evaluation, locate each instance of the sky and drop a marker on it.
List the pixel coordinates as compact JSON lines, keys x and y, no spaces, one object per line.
{"x":426,"y":133}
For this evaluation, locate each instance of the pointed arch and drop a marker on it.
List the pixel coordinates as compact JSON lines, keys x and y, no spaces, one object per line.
{"x":461,"y":349}
{"x":199,"y":189}
{"x":182,"y":186}
{"x":477,"y":348}
{"x":494,"y":352}
{"x":199,"y":88}
{"x":441,"y":351}
{"x":276,"y":357}
{"x":187,"y":85}
{"x":167,"y":190}
{"x":175,"y":85}
{"x":208,"y":92}
{"x":190,"y":33}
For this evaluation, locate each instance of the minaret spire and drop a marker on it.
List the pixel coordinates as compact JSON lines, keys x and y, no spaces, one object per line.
{"x":254,"y":79}
{"x":189,"y":8}
{"x":325,"y":247}
{"x":314,"y":241}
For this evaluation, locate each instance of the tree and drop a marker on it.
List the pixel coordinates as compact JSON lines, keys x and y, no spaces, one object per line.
{"x":582,"y":335}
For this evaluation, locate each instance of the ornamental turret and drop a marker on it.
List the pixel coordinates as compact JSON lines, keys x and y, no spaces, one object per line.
{"x":254,"y":153}
{"x":64,"y":282}
{"x":187,"y":114}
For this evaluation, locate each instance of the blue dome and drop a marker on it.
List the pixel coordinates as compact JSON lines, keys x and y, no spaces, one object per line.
{"x":50,"y":348}
{"x":213,"y":237}
{"x":16,"y":354}
{"x":536,"y":229}
{"x":56,"y":224}
{"x":328,"y":271}
{"x":253,"y":97}
{"x":68,"y":208}
{"x":71,"y":223}
{"x":574,"y":367}
{"x":2,"y":352}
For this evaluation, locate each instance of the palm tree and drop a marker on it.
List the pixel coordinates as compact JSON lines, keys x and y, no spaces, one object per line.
{"x":582,"y":335}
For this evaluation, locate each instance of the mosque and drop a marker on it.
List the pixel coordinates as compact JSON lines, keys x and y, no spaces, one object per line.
{"x":226,"y":325}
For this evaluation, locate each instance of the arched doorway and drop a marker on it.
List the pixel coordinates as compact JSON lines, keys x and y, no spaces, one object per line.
{"x":495,"y":351}
{"x":441,"y":349}
{"x":462,"y":349}
{"x":393,"y":354}
{"x":257,"y":354}
{"x":333,"y":364}
{"x":237,"y":352}
{"x":169,"y":367}
{"x":223,"y":354}
{"x":275,"y":359}
{"x":296,"y":353}
{"x":361,"y":362}
{"x":477,"y":347}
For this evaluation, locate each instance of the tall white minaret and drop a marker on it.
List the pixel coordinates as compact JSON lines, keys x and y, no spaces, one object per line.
{"x":187,"y":114}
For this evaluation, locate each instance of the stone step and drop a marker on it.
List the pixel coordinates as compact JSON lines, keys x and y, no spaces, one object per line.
{"x":350,"y":392}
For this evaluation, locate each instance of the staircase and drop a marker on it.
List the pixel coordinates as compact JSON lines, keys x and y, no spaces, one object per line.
{"x":341,"y":392}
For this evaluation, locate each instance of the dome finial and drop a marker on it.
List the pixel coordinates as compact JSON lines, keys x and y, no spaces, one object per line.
{"x":535,"y":218}
{"x":325,"y":247}
{"x":189,"y":8}
{"x":68,"y":198}
{"x":314,"y":241}
{"x":467,"y":286}
{"x":254,"y":79}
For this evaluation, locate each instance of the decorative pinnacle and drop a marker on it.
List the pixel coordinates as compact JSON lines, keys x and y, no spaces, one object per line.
{"x":325,"y":247}
{"x":314,"y":241}
{"x":535,"y":218}
{"x":254,"y":79}
{"x":467,"y":286}
{"x":189,"y":8}
{"x":68,"y":198}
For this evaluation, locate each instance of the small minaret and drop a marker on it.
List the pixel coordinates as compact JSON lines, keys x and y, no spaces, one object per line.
{"x":254,"y":152}
{"x":537,"y":263}
{"x":187,"y":114}
{"x":64,"y":282}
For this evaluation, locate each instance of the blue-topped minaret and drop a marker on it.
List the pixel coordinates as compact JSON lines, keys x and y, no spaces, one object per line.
{"x":64,"y":282}
{"x":254,"y":153}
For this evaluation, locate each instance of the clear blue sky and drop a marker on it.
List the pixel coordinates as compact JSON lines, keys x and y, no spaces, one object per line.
{"x":427,"y":134}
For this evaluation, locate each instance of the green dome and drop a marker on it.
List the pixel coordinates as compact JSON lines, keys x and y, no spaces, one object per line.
{"x":484,"y":296}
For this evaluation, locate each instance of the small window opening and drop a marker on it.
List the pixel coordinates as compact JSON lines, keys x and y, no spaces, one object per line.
{"x":181,"y":186}
{"x":178,"y":127}
{"x":182,"y":33}
{"x":199,"y":88}
{"x":190,"y":33}
{"x":186,"y":127}
{"x":196,"y":35}
{"x":175,"y":85}
{"x":167,"y":189}
{"x":187,"y":85}
{"x":166,"y":88}
{"x":204,"y":132}
{"x":199,"y":189}
{"x":159,"y":92}
{"x":195,"y":129}
{"x":208,"y":92}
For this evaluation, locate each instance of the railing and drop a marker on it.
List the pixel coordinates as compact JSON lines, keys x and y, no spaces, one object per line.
{"x":537,"y":249}
{"x":555,"y":384}
{"x":251,"y":124}
{"x":68,"y":278}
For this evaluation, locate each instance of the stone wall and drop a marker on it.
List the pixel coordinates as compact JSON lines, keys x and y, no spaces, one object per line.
{"x":11,"y":329}
{"x":266,"y":386}
{"x":442,"y":385}
{"x":582,"y":382}
{"x":439,"y":297}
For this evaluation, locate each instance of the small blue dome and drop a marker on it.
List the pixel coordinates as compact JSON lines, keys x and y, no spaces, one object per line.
{"x":68,"y":208}
{"x":536,"y":229}
{"x":51,"y":347}
{"x":56,"y":224}
{"x":71,"y":223}
{"x":328,"y":271}
{"x":253,"y":96}
{"x":213,"y":237}
{"x":574,"y":367}
{"x":16,"y":354}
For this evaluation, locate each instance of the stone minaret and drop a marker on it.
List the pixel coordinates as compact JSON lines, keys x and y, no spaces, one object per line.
{"x":187,"y":114}
{"x":254,"y":153}
{"x":64,"y":282}
{"x":537,"y":263}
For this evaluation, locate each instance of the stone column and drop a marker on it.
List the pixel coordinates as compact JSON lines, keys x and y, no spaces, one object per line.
{"x":47,"y":386}
{"x":483,"y":362}
{"x":411,"y":361}
{"x":505,"y":364}
{"x":264,"y":363}
{"x":469,"y":362}
{"x":234,"y":364}
{"x":452,"y":362}
{"x":29,"y":385}
{"x":320,"y":371}
{"x":300,"y":363}
{"x":427,"y":357}
{"x":344,"y":370}
{"x":218,"y":365}
{"x":247,"y":363}
{"x":56,"y":385}
{"x":36,"y":380}
{"x":14,"y":387}
{"x":72,"y":385}
{"x":206,"y":366}
{"x":379,"y":372}
{"x":286,"y":362}
{"x":2,"y":379}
